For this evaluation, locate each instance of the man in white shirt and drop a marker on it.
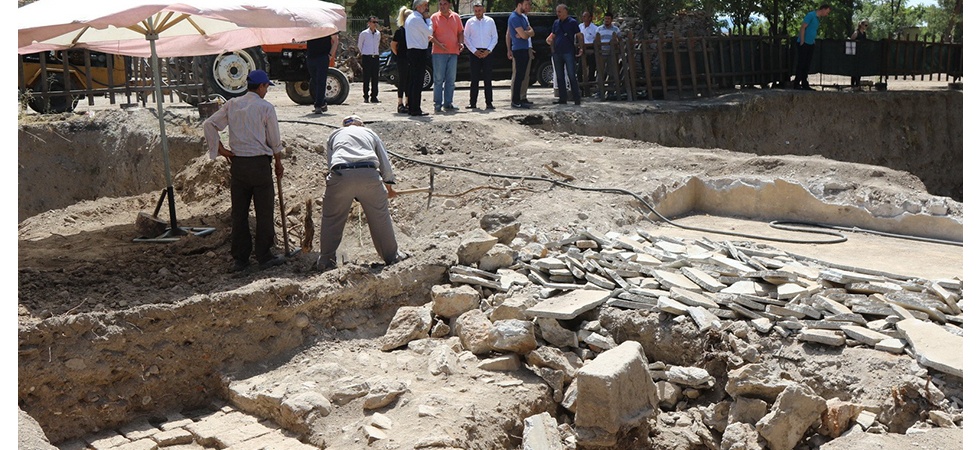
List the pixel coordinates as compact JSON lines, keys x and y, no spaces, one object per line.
{"x":359,"y":170}
{"x":480,"y":37}
{"x":588,"y":29}
{"x":253,"y":142}
{"x":368,"y":44}
{"x":418,"y":33}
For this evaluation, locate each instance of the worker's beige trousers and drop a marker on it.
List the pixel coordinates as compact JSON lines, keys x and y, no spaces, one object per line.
{"x":365,"y":186}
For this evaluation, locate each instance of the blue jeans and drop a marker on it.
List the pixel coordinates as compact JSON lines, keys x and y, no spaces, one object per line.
{"x":565,"y":63}
{"x":443,"y":78}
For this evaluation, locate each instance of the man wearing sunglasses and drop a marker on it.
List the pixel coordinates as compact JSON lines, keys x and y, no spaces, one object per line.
{"x":369,"y":44}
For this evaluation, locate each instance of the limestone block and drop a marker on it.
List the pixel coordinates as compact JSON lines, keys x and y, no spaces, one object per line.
{"x":741,"y":436}
{"x":863,"y":335}
{"x":838,"y":417}
{"x":755,"y":380}
{"x":668,"y":393}
{"x":615,"y":393}
{"x":555,"y":334}
{"x":891,"y":345}
{"x":473,"y":328}
{"x":409,"y":323}
{"x":934,"y":347}
{"x":826,"y":337}
{"x":509,"y":278}
{"x":296,"y":406}
{"x":512,"y":336}
{"x":552,"y":358}
{"x":504,"y":227}
{"x":512,"y":308}
{"x":499,"y":256}
{"x":384,"y":393}
{"x":704,"y":318}
{"x":703,"y":279}
{"x":541,"y":433}
{"x":691,"y":298}
{"x":474,"y":245}
{"x":671,"y":280}
{"x":450,"y":302}
{"x":762,"y":325}
{"x":596,"y":341}
{"x":747,"y":410}
{"x":796,"y":408}
{"x":443,"y":361}
{"x":690,"y":376}
{"x":507,"y":363}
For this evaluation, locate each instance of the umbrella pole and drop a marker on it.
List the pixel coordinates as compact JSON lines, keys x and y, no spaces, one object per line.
{"x":157,"y":82}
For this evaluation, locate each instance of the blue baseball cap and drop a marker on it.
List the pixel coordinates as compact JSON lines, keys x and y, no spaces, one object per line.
{"x":259,"y":77}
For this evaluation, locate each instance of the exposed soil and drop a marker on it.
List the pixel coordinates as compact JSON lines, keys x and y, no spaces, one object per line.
{"x":150,"y":328}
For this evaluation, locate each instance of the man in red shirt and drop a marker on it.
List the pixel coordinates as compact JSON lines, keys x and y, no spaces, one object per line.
{"x":447,"y":33}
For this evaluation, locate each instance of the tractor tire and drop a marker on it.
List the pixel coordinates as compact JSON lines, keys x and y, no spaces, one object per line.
{"x":227,"y":72}
{"x":299,"y":92}
{"x":54,"y":104}
{"x":338,"y":88}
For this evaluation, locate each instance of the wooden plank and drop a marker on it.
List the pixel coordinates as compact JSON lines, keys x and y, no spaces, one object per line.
{"x":691,"y":60}
{"x":677,"y":61}
{"x":631,"y":67}
{"x":647,"y":67}
{"x":87,"y":56}
{"x":707,"y":65}
{"x":663,"y":62}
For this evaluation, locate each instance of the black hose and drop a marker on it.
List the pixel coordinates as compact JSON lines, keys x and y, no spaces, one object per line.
{"x":794,"y":226}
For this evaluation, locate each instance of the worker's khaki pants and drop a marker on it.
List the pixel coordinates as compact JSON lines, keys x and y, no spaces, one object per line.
{"x":365,"y":186}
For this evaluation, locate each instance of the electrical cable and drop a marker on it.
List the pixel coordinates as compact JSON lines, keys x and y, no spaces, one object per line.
{"x":793,"y":226}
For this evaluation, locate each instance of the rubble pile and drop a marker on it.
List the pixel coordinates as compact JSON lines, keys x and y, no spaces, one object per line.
{"x":519,"y":301}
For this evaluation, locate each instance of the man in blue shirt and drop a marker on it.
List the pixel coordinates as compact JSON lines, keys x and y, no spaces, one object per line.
{"x":806,"y":40}
{"x":520,"y":32}
{"x":566,"y":44}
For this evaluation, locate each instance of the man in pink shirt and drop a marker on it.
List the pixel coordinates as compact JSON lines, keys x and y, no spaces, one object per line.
{"x":447,"y":34}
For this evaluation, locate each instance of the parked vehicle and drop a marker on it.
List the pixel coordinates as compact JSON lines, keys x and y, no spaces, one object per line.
{"x":542,"y":70}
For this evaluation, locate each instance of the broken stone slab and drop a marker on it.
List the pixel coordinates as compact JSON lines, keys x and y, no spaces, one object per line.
{"x":570,"y":305}
{"x":773,"y":276}
{"x":703,"y":279}
{"x":791,"y":290}
{"x":596,"y":341}
{"x":691,"y":298}
{"x":796,"y":408}
{"x":554,"y":359}
{"x":831,"y":306}
{"x":443,"y":361}
{"x":668,"y":393}
{"x":507,"y":363}
{"x":826,"y":337}
{"x":555,"y":334}
{"x":637,"y":298}
{"x":477,"y":281}
{"x":666,"y":304}
{"x":933,"y":346}
{"x":850,"y":318}
{"x":600,"y":280}
{"x":515,"y":336}
{"x":743,"y":311}
{"x":384,"y":393}
{"x":730,"y":266}
{"x":645,"y":259}
{"x":627,"y":304}
{"x":747,"y":410}
{"x":499,"y":256}
{"x":671,"y":280}
{"x":511,"y":308}
{"x":741,"y":436}
{"x":838,"y":417}
{"x":784,"y":311}
{"x":748,"y":302}
{"x":903,"y":313}
{"x":474,"y":245}
{"x":822,"y":324}
{"x":840,"y":276}
{"x":746,"y":287}
{"x":876,"y":287}
{"x":615,"y":395}
{"x":762,"y":325}
{"x":704,"y":318}
{"x":408,"y":324}
{"x":695,"y":377}
{"x":864,"y":335}
{"x":911,"y":302}
{"x":891,"y":345}
{"x":866,"y":419}
{"x":541,"y":432}
{"x":450,"y":302}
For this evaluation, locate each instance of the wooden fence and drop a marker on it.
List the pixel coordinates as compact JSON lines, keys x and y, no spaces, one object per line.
{"x":701,"y":65}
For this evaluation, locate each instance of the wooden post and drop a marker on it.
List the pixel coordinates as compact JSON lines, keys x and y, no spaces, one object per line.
{"x":905,"y":61}
{"x":692,"y":61}
{"x":66,"y":74}
{"x":88,"y":76}
{"x":616,"y":52}
{"x":663,"y":62}
{"x":630,"y":68}
{"x":647,"y":67}
{"x":707,"y":65}
{"x":731,"y":54}
{"x":677,"y":61}
{"x":110,"y":65}
{"x":600,"y":65}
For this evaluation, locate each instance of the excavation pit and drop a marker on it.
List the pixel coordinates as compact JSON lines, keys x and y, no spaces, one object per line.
{"x":113,"y":333}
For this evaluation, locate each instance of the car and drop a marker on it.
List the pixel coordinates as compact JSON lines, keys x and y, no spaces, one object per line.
{"x":542,"y":71}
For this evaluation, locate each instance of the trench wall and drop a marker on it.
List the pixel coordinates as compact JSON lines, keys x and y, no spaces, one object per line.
{"x":920,"y":132}
{"x":84,"y":373}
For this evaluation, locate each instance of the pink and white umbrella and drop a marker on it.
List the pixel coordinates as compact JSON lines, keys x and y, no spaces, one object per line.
{"x":159,"y":29}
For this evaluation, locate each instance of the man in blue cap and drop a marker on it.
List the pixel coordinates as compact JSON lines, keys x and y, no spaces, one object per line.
{"x":253,"y":143}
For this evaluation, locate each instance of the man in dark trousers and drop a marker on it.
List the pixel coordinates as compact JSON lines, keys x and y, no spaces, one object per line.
{"x":319,"y":52}
{"x":806,"y":41}
{"x":418,"y":33}
{"x":566,"y":45}
{"x":253,"y":143}
{"x":359,"y":170}
{"x":368,"y":45}
{"x":480,"y":37}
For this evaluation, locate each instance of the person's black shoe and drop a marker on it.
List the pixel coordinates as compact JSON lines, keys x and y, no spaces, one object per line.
{"x":401,"y":256}
{"x":578,"y":102}
{"x":418,"y":113}
{"x":366,"y":99}
{"x":402,"y":109}
{"x":490,"y":106}
{"x":322,"y":265}
{"x":560,"y":102}
{"x":272,"y":262}
{"x":470,"y":106}
{"x":375,"y":100}
{"x":519,"y":105}
{"x":527,"y":101}
{"x":239,"y":265}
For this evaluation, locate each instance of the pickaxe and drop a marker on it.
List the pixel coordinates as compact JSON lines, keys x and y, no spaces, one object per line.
{"x":429,"y":189}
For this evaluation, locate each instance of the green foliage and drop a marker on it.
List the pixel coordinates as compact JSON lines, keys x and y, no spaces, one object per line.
{"x":380,"y":8}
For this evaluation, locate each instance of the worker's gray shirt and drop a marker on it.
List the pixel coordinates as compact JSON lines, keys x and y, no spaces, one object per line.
{"x":354,"y":144}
